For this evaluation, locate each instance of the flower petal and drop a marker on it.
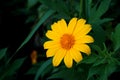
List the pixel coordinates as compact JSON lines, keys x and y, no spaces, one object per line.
{"x":76,"y":55}
{"x":58,"y":57}
{"x":62,"y":25}
{"x":68,"y":60}
{"x":56,"y":28}
{"x":72,"y":25}
{"x":79,"y":26}
{"x":85,"y":30}
{"x":53,"y":35}
{"x":51,"y":44}
{"x":51,"y":52}
{"x":83,"y":48}
{"x":84,"y":39}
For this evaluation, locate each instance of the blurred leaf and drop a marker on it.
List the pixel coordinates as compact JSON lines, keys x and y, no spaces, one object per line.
{"x":90,"y":59}
{"x":34,"y":68}
{"x":94,"y":71}
{"x":103,"y":71}
{"x":47,"y":71}
{"x":87,"y":8}
{"x":99,"y":61}
{"x":98,"y":12}
{"x":99,"y":35}
{"x":10,"y":70}
{"x":36,"y":26}
{"x":104,"y":6}
{"x":3,"y":52}
{"x":42,"y":10}
{"x":66,"y":74}
{"x":42,"y":68}
{"x":104,"y":20}
{"x":57,"y":5}
{"x":31,"y":3}
{"x":116,"y":37}
{"x":104,"y":65}
{"x":101,"y":21}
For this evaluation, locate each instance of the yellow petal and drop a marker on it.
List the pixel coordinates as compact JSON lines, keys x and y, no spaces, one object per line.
{"x":62,"y":25}
{"x":76,"y":55}
{"x":79,"y":25}
{"x":68,"y":60}
{"x":53,"y":35}
{"x":51,"y":52}
{"x":58,"y":57}
{"x":56,"y":28}
{"x":51,"y":44}
{"x":72,"y":25}
{"x":83,"y":48}
{"x":84,"y":39}
{"x":87,"y":28}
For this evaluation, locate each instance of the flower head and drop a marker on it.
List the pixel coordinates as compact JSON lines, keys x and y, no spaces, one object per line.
{"x":68,"y":41}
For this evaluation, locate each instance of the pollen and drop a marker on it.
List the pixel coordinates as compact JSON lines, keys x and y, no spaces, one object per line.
{"x":67,"y":41}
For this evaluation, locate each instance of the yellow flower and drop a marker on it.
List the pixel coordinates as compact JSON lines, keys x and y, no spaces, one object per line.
{"x":68,"y":41}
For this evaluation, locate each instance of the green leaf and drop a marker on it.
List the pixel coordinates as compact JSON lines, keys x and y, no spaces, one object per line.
{"x":99,"y":61}
{"x":31,"y":3}
{"x":99,"y":35}
{"x":90,"y":59}
{"x":96,"y":13}
{"x":43,"y":68}
{"x":93,"y":71}
{"x":35,"y":27}
{"x":87,"y":8}
{"x":110,"y":68}
{"x":11,"y":68}
{"x":53,"y":4}
{"x":66,"y":74}
{"x":116,"y":37}
{"x":104,"y":6}
{"x":104,"y":20}
{"x":3,"y":52}
{"x":47,"y":71}
{"x":103,"y":71}
{"x":101,"y":21}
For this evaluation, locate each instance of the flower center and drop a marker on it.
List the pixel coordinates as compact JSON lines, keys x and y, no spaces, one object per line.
{"x":67,"y":41}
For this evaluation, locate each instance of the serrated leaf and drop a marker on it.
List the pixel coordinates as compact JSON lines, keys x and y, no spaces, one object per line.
{"x":116,"y":37}
{"x":35,"y":28}
{"x":2,"y":52}
{"x":42,"y":68}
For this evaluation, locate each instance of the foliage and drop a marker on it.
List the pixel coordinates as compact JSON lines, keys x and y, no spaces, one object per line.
{"x":15,"y":61}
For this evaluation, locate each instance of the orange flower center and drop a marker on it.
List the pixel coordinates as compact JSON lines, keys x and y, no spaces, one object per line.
{"x":67,"y":41}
